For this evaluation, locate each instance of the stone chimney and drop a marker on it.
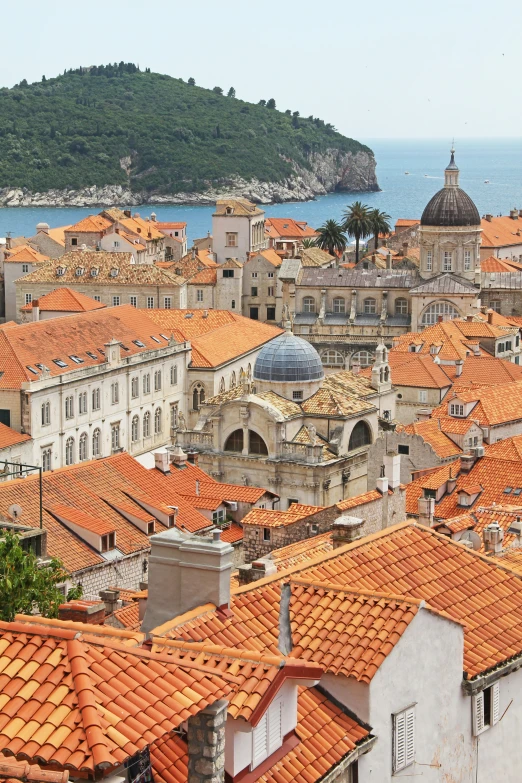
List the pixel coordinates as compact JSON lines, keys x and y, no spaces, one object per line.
{"x":161,"y":461}
{"x":426,"y":511}
{"x":206,"y":744}
{"x":513,"y":214}
{"x":186,"y":571}
{"x":356,"y":368}
{"x":388,"y":260}
{"x":404,"y":248}
{"x":493,"y":536}
{"x":466,"y":462}
{"x":79,"y":611}
{"x":489,"y":218}
{"x":258,"y":569}
{"x":111,"y":599}
{"x":459,"y":366}
{"x":35,"y":312}
{"x":346,"y":529}
{"x":392,"y":469}
{"x":515,"y":529}
{"x":490,"y":316}
{"x":178,"y":456}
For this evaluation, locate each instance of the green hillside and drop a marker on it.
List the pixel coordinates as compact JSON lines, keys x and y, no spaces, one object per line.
{"x":72,"y":131}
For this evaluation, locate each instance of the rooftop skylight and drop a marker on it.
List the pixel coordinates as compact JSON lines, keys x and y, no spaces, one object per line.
{"x":31,"y":369}
{"x":154,"y":338}
{"x":139,"y":343}
{"x":60,"y":362}
{"x":76,"y":359}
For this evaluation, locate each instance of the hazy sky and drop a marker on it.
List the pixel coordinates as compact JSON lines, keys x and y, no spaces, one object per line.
{"x":374,"y":69}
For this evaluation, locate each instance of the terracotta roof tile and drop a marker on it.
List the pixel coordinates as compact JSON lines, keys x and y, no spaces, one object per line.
{"x":9,"y":437}
{"x":127,"y":616}
{"x":268,"y":518}
{"x":232,"y":534}
{"x":64,"y":300}
{"x":500,"y":232}
{"x":432,"y":433}
{"x":495,"y":404}
{"x":288,"y":228}
{"x":342,"y":393}
{"x":91,"y":224}
{"x":24,"y":254}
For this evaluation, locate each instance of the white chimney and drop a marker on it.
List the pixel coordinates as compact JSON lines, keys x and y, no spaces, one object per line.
{"x":36,"y":310}
{"x":459,"y":366}
{"x":426,"y":511}
{"x":178,"y":456}
{"x":186,"y":571}
{"x":392,"y":469}
{"x":161,"y":461}
{"x":493,"y":536}
{"x":382,"y":482}
{"x":515,"y":529}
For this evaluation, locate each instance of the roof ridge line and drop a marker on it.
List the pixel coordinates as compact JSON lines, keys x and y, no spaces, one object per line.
{"x":251,"y":656}
{"x":420,"y":602}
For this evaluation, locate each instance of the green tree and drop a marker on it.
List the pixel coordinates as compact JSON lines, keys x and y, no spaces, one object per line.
{"x":271,"y":104}
{"x":218,"y":90}
{"x":357,"y":223}
{"x":295,"y":119}
{"x":308,"y":242}
{"x":27,"y":586}
{"x":192,"y":82}
{"x":380,"y":224}
{"x":231,"y":93}
{"x":262,"y":102}
{"x":331,"y":238}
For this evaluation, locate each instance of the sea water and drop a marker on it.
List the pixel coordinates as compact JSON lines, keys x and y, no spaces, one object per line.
{"x":402,"y":195}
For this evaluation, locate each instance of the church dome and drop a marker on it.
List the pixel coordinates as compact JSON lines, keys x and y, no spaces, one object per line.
{"x":288,"y":359}
{"x":451,"y":206}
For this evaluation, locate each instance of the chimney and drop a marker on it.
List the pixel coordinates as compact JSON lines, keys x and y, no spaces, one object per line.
{"x":8,"y":242}
{"x":489,"y":218}
{"x":198,"y":485}
{"x":111,"y":599}
{"x":92,"y":612}
{"x":392,"y":469}
{"x":186,"y":571}
{"x":205,"y":313}
{"x":284,"y":643}
{"x":193,"y":251}
{"x":426,"y":511}
{"x":161,"y":461}
{"x":178,"y":456}
{"x":388,"y":260}
{"x":206,"y":744}
{"x":490,"y":316}
{"x":440,"y":318}
{"x":515,"y":529}
{"x":251,"y":572}
{"x":466,"y":462}
{"x":346,"y":529}
{"x":513,"y":214}
{"x":127,"y":213}
{"x":36,"y":310}
{"x":470,"y":317}
{"x":382,"y":482}
{"x":356,"y":368}
{"x":459,"y":366}
{"x":493,"y":536}
{"x":404,"y":248}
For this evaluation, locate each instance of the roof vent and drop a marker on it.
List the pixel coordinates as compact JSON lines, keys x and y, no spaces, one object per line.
{"x":114,"y":272}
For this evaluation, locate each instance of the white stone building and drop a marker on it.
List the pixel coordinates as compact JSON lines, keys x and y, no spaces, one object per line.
{"x":238,"y":229}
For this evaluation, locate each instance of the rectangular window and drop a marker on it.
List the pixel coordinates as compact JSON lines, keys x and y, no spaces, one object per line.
{"x":115,"y":393}
{"x":253,"y":291}
{"x":25,"y":269}
{"x":266,"y":534}
{"x":69,"y":407}
{"x":254,"y":313}
{"x":167,"y":303}
{"x":254,"y":274}
{"x":134,"y":301}
{"x":173,"y":375}
{"x":116,"y":243}
{"x":456,"y":410}
{"x":74,"y":240}
{"x":231,"y":239}
{"x":486,"y":708}
{"x":218,"y":517}
{"x":157,"y":380}
{"x":228,"y":273}
{"x":28,"y":298}
{"x":446,"y":261}
{"x":401,"y":449}
{"x":97,"y":298}
{"x":423,"y":395}
{"x":115,"y":301}
{"x":495,"y":305}
{"x":146,"y":384}
{"x":270,"y":313}
{"x":150,"y":302}
{"x":134,"y":387}
{"x":467,"y":260}
{"x":199,"y":295}
{"x":403,"y":739}
{"x":297,"y":395}
{"x":429,"y":261}
{"x":115,"y":437}
{"x":270,"y":274}
{"x":267,"y":736}
{"x":291,"y":501}
{"x":271,"y":290}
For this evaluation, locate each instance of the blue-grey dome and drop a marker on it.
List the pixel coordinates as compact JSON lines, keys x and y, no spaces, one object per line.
{"x":288,"y":359}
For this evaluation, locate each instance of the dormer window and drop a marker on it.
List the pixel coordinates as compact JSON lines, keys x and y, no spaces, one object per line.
{"x":229,"y":211}
{"x":456,"y":409}
{"x":80,"y":271}
{"x":60,"y":270}
{"x":108,"y":542}
{"x":94,"y":271}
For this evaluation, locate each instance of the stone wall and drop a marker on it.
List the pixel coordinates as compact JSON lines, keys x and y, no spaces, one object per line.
{"x":126,"y":572}
{"x":206,"y":744}
{"x":510,"y":301}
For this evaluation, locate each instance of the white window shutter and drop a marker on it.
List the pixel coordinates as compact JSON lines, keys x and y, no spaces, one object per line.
{"x":399,"y":742}
{"x":495,"y":703}
{"x":478,"y":713}
{"x":275,"y":738}
{"x":410,"y":736}
{"x":259,"y":741}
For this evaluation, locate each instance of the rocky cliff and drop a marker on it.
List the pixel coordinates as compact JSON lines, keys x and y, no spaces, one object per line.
{"x":330,"y":171}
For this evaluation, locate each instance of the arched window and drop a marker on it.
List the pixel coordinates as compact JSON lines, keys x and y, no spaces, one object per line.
{"x":135,"y":429}
{"x":370,"y":306}
{"x":115,"y":393}
{"x":46,"y":413}
{"x":309,"y":304}
{"x":198,"y":396}
{"x":339,"y":305}
{"x":146,"y":424}
{"x":157,"y":421}
{"x":256,"y":444}
{"x":96,"y":399}
{"x":174,"y":375}
{"x":69,"y":451}
{"x":222,"y":385}
{"x":233,"y":381}
{"x":361,"y":436}
{"x":444,"y":310}
{"x":96,"y":443}
{"x":401,"y":306}
{"x":146,"y":384}
{"x":47,"y":455}
{"x":363,"y":358}
{"x":234,"y":442}
{"x":82,"y":447}
{"x":333,"y":359}
{"x":82,"y":402}
{"x":157,"y":380}
{"x":249,"y":371}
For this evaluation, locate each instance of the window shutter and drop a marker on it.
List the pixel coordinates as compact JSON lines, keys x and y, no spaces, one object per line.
{"x":495,"y":703}
{"x":478,"y":713}
{"x":410,"y":736}
{"x":259,"y":741}
{"x":399,"y":750}
{"x":274,"y":727}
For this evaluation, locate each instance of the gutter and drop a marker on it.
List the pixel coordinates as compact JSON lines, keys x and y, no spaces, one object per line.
{"x":483,"y":681}
{"x":335,"y":772}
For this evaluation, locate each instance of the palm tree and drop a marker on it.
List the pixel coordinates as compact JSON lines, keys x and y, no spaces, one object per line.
{"x":357,"y":223}
{"x":380,"y":224}
{"x":308,"y":242}
{"x":331,"y":238}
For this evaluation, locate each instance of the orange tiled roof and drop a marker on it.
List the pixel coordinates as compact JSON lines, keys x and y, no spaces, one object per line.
{"x":64,"y":300}
{"x":232,"y":534}
{"x":12,"y":771}
{"x":301,"y":551}
{"x":288,"y":228}
{"x":485,"y":371}
{"x":267,"y":518}
{"x":89,"y":706}
{"x":179,"y":225}
{"x":509,"y":448}
{"x":145,"y":229}
{"x":240,"y":206}
{"x":204,"y":277}
{"x":432,"y":433}
{"x":495,"y":404}
{"x":90,"y":224}
{"x":271,"y":256}
{"x":501,"y":232}
{"x":359,"y":500}
{"x":9,"y":437}
{"x":169,"y":759}
{"x":405,"y":222}
{"x":412,"y":369}
{"x":24,"y":254}
{"x":447,"y":334}
{"x":127,"y":616}
{"x":493,"y":264}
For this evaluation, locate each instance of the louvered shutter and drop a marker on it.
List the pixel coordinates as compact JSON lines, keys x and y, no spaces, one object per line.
{"x":495,"y":703}
{"x":478,"y":713}
{"x":259,"y":741}
{"x":410,"y":736}
{"x":399,"y":742}
{"x":274,"y":727}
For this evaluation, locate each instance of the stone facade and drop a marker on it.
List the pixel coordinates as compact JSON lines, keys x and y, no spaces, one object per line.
{"x":206,"y":744}
{"x":130,"y":571}
{"x":416,"y":454}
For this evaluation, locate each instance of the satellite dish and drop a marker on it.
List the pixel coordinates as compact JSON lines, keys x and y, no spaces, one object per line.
{"x":15,"y":510}
{"x":474,"y":538}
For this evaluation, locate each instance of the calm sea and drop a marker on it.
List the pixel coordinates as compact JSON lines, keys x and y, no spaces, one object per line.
{"x":402,"y":195}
